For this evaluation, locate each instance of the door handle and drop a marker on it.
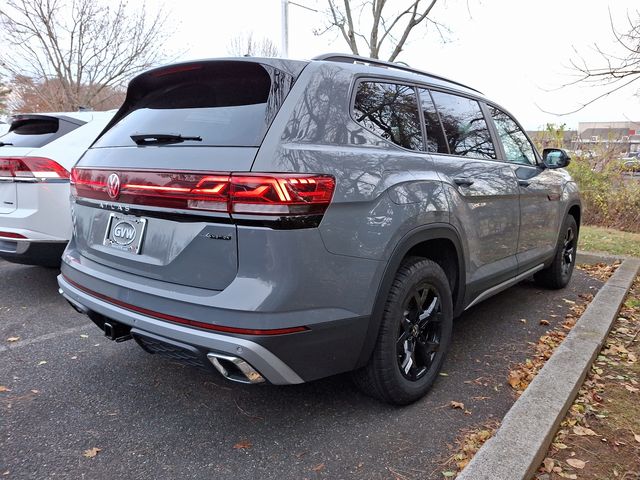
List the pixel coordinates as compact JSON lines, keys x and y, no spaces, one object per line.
{"x":463,"y":181}
{"x":524,"y":183}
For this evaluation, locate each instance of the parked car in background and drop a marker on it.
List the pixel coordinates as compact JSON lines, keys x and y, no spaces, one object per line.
{"x":36,"y":156}
{"x":631,"y":165}
{"x":283,"y":221}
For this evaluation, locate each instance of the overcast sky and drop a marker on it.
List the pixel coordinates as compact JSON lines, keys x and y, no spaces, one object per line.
{"x":514,"y":51}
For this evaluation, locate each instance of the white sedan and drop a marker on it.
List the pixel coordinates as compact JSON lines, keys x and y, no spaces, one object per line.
{"x":36,"y":156}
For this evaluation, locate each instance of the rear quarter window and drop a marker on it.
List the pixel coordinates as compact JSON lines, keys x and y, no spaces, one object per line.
{"x":389,"y":110}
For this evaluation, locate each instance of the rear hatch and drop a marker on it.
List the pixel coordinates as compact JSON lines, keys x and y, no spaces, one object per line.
{"x":26,"y":134}
{"x":151,"y":193}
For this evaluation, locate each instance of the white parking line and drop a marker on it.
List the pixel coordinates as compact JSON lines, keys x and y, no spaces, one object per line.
{"x":44,"y":338}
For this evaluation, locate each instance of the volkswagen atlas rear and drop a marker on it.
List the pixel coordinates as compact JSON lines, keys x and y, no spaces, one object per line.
{"x":181,"y":245}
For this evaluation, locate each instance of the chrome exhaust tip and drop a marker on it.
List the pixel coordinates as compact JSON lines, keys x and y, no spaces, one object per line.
{"x":234,"y":368}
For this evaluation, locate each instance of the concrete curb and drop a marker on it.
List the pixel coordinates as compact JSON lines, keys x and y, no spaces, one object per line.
{"x":600,"y":257}
{"x":519,"y":445}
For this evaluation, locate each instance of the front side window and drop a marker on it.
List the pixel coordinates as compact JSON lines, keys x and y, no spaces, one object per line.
{"x":391,"y":111}
{"x":464,"y":125}
{"x":517,"y":148}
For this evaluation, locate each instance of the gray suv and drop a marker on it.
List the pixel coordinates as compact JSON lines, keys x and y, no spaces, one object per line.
{"x":284,"y":221}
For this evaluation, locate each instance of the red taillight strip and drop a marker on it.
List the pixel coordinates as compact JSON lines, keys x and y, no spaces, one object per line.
{"x":184,"y":321}
{"x":11,"y":235}
{"x":274,"y":194}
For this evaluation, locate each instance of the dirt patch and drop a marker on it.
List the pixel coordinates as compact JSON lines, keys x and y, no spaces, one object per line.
{"x":520,"y":376}
{"x":600,"y":436}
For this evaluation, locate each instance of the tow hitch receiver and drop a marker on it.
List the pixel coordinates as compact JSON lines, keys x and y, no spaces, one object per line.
{"x":117,"y":331}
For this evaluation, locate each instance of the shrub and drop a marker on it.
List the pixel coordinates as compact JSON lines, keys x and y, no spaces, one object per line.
{"x":609,"y":198}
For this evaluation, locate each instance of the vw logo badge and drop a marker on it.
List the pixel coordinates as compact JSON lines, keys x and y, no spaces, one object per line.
{"x":113,"y":185}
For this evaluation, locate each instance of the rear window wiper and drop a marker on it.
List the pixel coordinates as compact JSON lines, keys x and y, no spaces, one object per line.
{"x":162,"y":139}
{"x":2,"y":144}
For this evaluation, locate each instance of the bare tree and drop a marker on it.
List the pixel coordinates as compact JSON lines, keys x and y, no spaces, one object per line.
{"x":246,"y":46}
{"x":378,"y":25}
{"x":85,"y":47}
{"x":4,"y":93}
{"x":616,"y":70}
{"x":47,"y":96}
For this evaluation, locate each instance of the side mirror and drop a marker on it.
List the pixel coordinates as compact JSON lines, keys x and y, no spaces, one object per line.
{"x":555,"y":158}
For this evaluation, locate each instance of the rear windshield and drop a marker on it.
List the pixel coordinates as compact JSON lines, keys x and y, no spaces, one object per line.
{"x":224,"y":103}
{"x":35,"y":132}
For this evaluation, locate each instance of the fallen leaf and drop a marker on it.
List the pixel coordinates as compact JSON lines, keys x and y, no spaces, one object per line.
{"x":523,"y":320}
{"x":632,"y":389}
{"x":442,"y":374}
{"x":449,"y":474}
{"x":514,"y":379}
{"x":35,"y":391}
{"x":84,"y":335}
{"x":92,"y":452}
{"x":4,"y":389}
{"x":458,"y":405}
{"x":575,"y":463}
{"x":243,"y":445}
{"x":318,"y":468}
{"x":571,"y":476}
{"x":13,"y":339}
{"x":42,"y":362}
{"x":548,"y":464}
{"x":544,"y":322}
{"x":582,"y":431}
{"x":637,"y":437}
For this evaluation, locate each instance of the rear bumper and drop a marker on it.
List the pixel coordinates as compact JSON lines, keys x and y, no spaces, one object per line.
{"x":323,"y":349}
{"x":32,"y":252}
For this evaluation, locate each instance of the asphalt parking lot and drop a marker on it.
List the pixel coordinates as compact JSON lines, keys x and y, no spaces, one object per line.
{"x":153,"y":418}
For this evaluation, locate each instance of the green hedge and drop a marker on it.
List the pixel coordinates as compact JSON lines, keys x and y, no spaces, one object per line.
{"x":610,"y":198}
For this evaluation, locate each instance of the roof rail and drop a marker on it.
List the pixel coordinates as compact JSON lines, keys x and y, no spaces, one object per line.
{"x":348,"y":58}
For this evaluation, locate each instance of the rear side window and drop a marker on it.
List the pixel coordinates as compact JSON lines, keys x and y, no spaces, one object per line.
{"x":36,"y":131}
{"x":223,"y":103}
{"x":391,"y":111}
{"x":465,"y":126}
{"x":435,"y":140}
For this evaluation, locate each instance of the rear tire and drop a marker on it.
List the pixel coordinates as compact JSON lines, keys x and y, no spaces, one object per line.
{"x":414,"y":335}
{"x":558,"y":274}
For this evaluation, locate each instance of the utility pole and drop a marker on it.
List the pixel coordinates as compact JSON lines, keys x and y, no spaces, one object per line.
{"x":284,"y":47}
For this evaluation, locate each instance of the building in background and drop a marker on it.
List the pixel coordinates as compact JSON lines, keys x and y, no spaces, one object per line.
{"x":624,"y":137}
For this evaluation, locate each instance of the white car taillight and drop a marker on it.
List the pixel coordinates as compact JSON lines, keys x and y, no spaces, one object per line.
{"x":36,"y":169}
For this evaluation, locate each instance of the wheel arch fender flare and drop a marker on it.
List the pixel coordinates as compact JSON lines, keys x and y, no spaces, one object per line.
{"x":442,"y":231}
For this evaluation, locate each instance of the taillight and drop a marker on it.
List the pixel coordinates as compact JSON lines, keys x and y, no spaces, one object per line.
{"x":233,"y":193}
{"x":11,"y":235}
{"x":32,"y":169}
{"x":281,"y":194}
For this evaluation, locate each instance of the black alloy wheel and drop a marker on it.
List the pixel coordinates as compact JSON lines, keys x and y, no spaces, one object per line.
{"x":414,"y":335}
{"x":419,"y":332}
